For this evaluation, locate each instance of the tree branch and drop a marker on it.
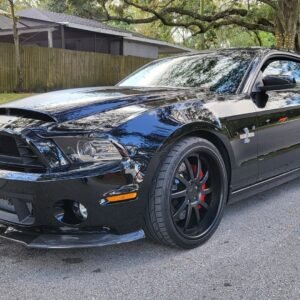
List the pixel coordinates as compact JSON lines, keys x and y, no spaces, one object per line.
{"x":204,"y":23}
{"x":189,"y":13}
{"x":130,"y":20}
{"x":256,"y":33}
{"x":242,"y":23}
{"x":270,"y":3}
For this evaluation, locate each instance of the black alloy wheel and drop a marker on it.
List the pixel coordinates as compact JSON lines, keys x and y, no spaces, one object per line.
{"x":188,"y":196}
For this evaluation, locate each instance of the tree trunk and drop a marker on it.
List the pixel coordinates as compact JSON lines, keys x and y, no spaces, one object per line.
{"x":19,"y":86}
{"x":287,"y":24}
{"x":297,"y":41}
{"x":202,"y":37}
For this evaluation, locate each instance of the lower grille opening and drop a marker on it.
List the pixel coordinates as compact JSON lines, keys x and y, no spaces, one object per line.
{"x":17,"y":155}
{"x":15,"y":210}
{"x":8,"y":146}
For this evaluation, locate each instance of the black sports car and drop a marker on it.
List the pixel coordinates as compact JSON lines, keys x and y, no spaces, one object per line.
{"x":162,"y":152}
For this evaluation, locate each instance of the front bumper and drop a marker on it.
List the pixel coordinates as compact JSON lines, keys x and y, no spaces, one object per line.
{"x":33,"y":223}
{"x":67,"y":241}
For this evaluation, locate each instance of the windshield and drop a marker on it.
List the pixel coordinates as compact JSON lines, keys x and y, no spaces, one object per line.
{"x":220,"y":72}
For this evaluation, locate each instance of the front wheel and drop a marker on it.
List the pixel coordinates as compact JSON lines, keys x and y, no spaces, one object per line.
{"x":188,"y":196}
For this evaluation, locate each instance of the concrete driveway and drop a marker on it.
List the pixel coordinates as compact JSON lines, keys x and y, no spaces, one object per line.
{"x":255,"y":254}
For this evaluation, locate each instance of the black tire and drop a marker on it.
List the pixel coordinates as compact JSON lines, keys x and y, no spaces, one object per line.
{"x":195,"y":169}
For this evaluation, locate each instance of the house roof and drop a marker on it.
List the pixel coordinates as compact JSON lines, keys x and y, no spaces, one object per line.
{"x":59,"y":18}
{"x":43,"y":16}
{"x":6,"y":24}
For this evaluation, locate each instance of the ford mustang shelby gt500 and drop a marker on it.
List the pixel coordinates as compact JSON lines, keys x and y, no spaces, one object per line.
{"x":160,"y":153}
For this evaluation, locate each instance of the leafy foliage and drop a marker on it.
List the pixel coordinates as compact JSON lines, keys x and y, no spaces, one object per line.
{"x":194,"y":23}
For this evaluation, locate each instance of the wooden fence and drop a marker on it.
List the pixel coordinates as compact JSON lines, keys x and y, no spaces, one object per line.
{"x":50,"y":69}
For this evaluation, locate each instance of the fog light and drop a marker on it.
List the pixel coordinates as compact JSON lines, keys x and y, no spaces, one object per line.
{"x":70,"y":212}
{"x":80,"y":211}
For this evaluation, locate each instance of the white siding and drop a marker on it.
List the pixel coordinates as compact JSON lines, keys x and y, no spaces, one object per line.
{"x":140,"y":49}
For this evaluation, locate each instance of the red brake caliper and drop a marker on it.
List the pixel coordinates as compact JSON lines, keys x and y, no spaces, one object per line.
{"x":203,"y":186}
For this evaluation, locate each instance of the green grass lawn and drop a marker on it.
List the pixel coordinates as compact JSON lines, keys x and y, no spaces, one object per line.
{"x":4,"y":98}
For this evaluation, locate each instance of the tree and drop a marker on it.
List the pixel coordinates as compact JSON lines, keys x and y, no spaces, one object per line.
{"x":92,"y":10}
{"x":19,"y":85}
{"x":82,"y":8}
{"x":12,"y":14}
{"x":287,"y":24}
{"x":282,"y":19}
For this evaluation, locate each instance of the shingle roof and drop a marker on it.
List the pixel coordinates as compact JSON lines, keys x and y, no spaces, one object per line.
{"x":34,"y":18}
{"x":92,"y":25}
{"x":7,"y":24}
{"x":53,"y":17}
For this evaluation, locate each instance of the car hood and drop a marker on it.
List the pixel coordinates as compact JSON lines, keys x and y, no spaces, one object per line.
{"x":75,"y":104}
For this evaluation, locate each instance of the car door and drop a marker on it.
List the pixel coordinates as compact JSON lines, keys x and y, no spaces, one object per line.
{"x":238,"y":115}
{"x":278,"y":123}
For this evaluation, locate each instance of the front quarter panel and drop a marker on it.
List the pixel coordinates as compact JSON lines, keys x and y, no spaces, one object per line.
{"x":149,"y":135}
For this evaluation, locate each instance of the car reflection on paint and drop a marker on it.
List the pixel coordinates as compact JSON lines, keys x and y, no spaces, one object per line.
{"x":160,"y":154}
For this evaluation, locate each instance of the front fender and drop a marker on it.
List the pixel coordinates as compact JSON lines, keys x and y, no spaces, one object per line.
{"x":148,"y":136}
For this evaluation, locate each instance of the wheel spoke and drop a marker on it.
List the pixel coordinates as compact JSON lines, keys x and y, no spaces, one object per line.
{"x":207,"y":191}
{"x":205,"y":178}
{"x":182,"y":180}
{"x":204,"y":205}
{"x":199,"y":168}
{"x":197,"y":215}
{"x":189,"y":168}
{"x":188,"y":217}
{"x":181,"y":209}
{"x":179,"y":194}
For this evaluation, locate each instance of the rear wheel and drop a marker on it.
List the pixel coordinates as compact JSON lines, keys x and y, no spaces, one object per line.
{"x":188,"y":196}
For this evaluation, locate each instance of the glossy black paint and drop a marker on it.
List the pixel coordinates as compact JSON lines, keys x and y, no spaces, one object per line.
{"x":145,"y":122}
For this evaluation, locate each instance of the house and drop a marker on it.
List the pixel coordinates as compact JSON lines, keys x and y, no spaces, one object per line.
{"x":56,"y":30}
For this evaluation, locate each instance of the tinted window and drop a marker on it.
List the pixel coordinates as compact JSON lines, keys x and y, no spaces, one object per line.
{"x":217,"y":72}
{"x":284,"y":68}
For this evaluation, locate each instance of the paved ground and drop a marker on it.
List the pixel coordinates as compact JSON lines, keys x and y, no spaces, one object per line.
{"x":255,"y":254}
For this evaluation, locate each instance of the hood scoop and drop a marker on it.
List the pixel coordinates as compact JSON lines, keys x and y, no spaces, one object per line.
{"x":25,"y":113}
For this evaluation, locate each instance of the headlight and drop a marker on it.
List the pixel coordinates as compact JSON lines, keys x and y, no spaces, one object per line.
{"x":88,"y":150}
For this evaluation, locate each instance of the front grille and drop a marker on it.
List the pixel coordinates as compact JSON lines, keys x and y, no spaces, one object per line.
{"x":15,"y":209}
{"x":17,"y":155}
{"x":8,"y":146}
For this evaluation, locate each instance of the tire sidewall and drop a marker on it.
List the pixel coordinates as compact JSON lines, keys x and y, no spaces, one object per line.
{"x":198,"y":145}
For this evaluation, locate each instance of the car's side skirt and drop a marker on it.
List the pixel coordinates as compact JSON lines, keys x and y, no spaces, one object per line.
{"x":263,"y":186}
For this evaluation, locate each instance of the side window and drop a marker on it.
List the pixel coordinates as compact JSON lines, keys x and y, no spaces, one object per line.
{"x":284,"y":68}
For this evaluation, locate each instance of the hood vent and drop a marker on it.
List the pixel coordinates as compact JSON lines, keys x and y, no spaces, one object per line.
{"x":30,"y":114}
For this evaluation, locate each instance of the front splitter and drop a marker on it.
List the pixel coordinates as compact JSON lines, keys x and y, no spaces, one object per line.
{"x":68,"y":241}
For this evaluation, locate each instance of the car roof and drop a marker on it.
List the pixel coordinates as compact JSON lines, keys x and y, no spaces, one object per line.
{"x":261,"y":51}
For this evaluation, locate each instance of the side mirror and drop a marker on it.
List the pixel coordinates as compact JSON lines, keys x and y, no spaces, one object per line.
{"x":276,"y":83}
